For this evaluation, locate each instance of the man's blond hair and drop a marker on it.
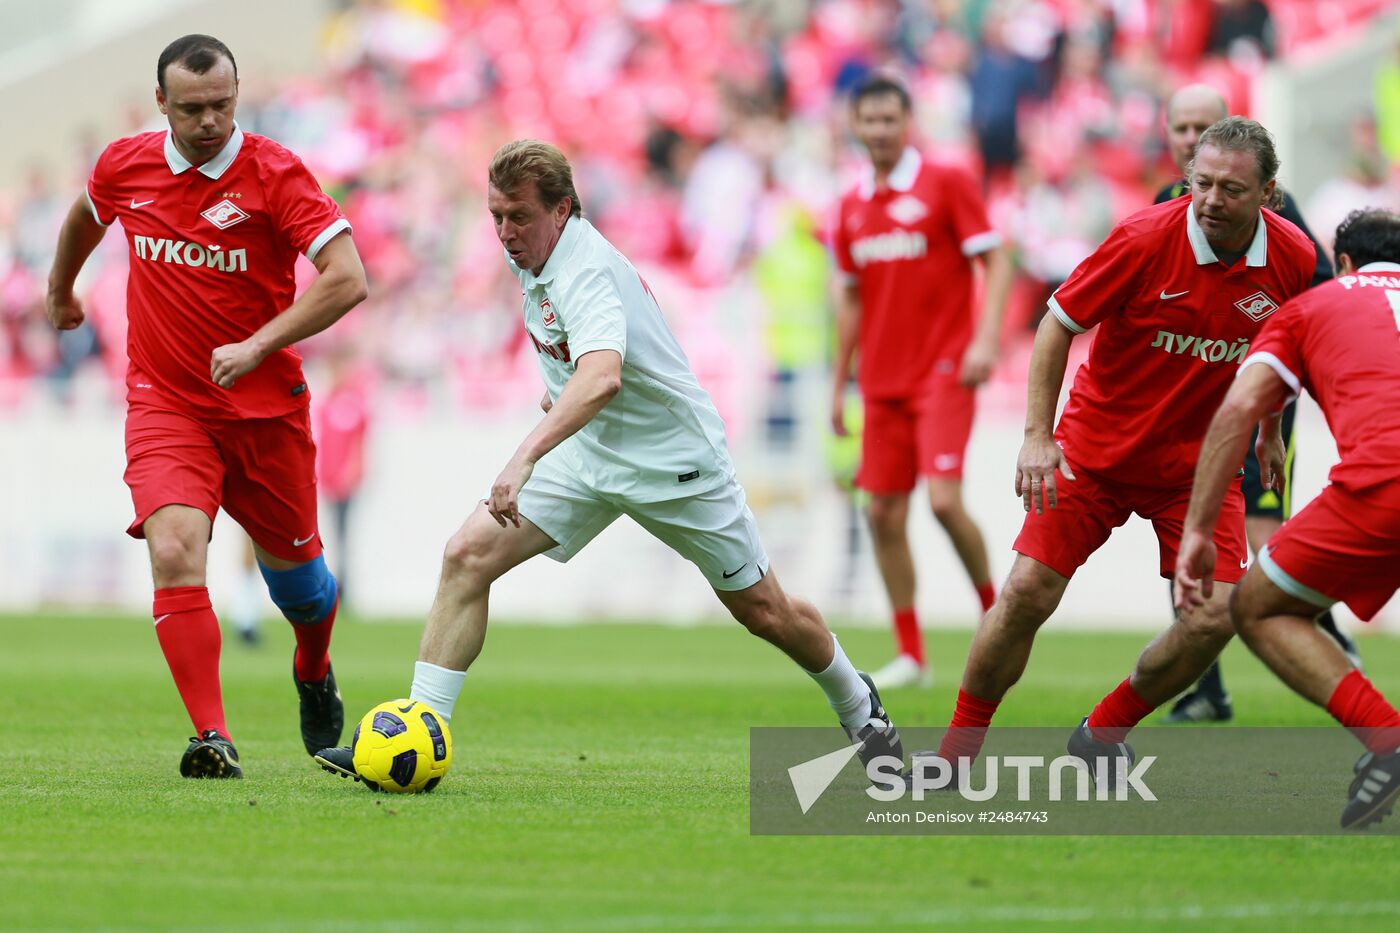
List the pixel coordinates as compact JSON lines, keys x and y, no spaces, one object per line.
{"x":517,"y":164}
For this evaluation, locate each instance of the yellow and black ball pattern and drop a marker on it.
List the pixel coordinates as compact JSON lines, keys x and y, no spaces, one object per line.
{"x":403,"y":747}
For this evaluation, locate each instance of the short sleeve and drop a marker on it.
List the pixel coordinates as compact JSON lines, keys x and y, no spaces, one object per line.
{"x":305,"y":215}
{"x":841,"y":245}
{"x":593,"y":316}
{"x":1099,"y":286}
{"x":1279,"y":346}
{"x":99,"y":189}
{"x":968,"y":214}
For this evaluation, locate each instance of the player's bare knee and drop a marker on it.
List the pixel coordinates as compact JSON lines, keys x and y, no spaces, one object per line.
{"x":1210,"y":622}
{"x":887,"y":515}
{"x":466,"y":560}
{"x":175,"y":556}
{"x":946,"y":504}
{"x":1025,"y":602}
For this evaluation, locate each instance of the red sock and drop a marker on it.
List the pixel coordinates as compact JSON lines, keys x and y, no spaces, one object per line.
{"x":1117,"y":713}
{"x":971,"y":717}
{"x":907,"y":635}
{"x":312,"y":658}
{"x":1358,"y":705}
{"x":188,"y":632}
{"x":987,"y":594}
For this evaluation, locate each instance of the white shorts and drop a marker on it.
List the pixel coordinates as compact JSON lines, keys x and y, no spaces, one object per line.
{"x":714,"y":530}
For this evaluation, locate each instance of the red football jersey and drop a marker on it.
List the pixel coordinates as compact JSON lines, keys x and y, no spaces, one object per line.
{"x":1341,"y":342}
{"x":212,"y":255}
{"x":1174,"y":324}
{"x":908,"y":247}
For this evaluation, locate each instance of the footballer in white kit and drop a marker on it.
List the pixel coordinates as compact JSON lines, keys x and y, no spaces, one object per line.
{"x":656,"y":452}
{"x":627,"y":431}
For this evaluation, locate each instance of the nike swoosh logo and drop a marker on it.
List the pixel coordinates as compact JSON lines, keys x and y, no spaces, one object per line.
{"x":1165,"y":297}
{"x":298,"y":542}
{"x":167,"y":615}
{"x":405,"y":709}
{"x":138,"y":204}
{"x":1244,"y":565}
{"x":732,"y":572}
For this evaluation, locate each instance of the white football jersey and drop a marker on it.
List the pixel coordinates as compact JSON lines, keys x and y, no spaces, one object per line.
{"x":660,"y":437}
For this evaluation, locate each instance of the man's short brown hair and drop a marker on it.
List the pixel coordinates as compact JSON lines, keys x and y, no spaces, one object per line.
{"x":1238,"y":134}
{"x":517,"y":164}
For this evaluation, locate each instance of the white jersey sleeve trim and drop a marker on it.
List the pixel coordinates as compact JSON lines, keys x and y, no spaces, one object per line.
{"x":317,"y":244}
{"x":93,"y":207}
{"x":1295,"y":384}
{"x":1064,"y":318}
{"x":981,"y":243}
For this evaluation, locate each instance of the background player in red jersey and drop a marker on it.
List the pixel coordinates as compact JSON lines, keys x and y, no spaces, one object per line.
{"x":1338,"y":341}
{"x":905,"y":243}
{"x":1190,"y":112}
{"x":1177,"y":291}
{"x":216,"y":401}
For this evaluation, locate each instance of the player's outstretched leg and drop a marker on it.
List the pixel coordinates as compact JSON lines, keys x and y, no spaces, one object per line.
{"x":475,"y":557}
{"x":998,"y":655}
{"x":306,"y":594}
{"x":796,"y":628}
{"x":1280,"y":629}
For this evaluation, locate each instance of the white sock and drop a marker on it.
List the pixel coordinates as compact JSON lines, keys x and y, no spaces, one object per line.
{"x":845,"y":691}
{"x":437,"y":686}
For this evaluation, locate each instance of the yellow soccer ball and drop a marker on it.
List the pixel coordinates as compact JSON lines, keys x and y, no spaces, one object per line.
{"x":403,"y":747}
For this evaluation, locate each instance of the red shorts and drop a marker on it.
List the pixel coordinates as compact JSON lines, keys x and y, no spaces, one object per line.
{"x":1342,"y":547}
{"x":262,"y":471}
{"x":904,"y":439}
{"x":1089,"y":508}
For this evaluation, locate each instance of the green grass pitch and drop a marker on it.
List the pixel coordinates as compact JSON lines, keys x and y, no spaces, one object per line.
{"x":600,"y":783}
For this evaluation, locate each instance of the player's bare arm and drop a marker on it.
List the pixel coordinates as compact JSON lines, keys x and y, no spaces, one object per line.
{"x":1040,"y":456}
{"x":77,"y":239}
{"x":339,"y":286}
{"x":847,"y":328}
{"x":980,"y":359}
{"x":596,"y":380}
{"x":1257,"y":391}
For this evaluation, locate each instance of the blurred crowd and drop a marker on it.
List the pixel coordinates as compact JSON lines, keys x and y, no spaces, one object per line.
{"x":710,"y":144}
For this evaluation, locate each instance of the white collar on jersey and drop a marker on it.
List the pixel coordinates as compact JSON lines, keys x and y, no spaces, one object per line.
{"x":216,"y":166}
{"x":1380,"y":267}
{"x":1257,"y":255}
{"x":901,"y":176}
{"x":563,"y":249}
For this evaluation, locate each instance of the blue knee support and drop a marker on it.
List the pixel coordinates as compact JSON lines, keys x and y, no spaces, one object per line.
{"x":305,"y":594}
